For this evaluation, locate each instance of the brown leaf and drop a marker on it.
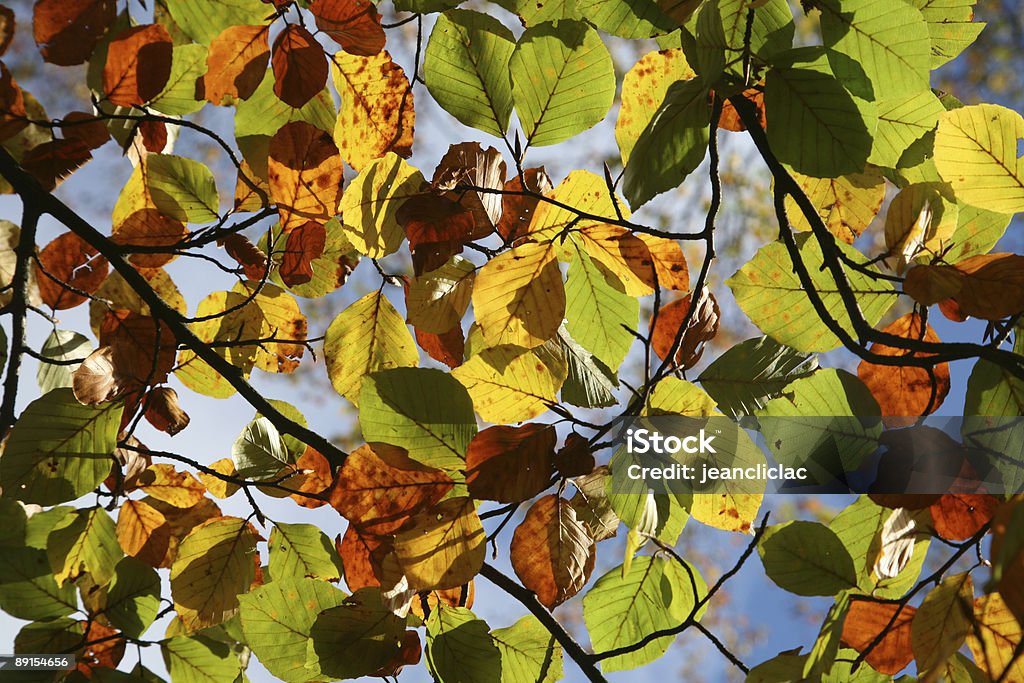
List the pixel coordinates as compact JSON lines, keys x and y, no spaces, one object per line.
{"x":105,"y":652}
{"x":144,"y":347}
{"x":7,"y":26}
{"x":575,"y":458}
{"x":138,"y":65}
{"x":468,"y":164}
{"x":153,"y":135}
{"x":236,"y":63}
{"x":150,"y":229}
{"x":67,"y":31}
{"x":86,"y":128}
{"x":701,"y":329}
{"x":143,"y":532}
{"x":300,"y":66}
{"x":437,"y":228}
{"x":866,"y":619}
{"x":303,"y":245}
{"x":592,"y":505}
{"x":317,"y":478}
{"x":517,"y":209}
{"x":54,"y":160}
{"x":12,"y":105}
{"x":1009,"y":559}
{"x":730,"y":120}
{"x":903,"y":392}
{"x":168,"y":485}
{"x":101,"y":377}
{"x":379,"y":488}
{"x":361,"y":556}
{"x":552,"y":553}
{"x":305,"y":174}
{"x":164,"y":412}
{"x":408,"y":655}
{"x":353,"y":24}
{"x":246,"y":254}
{"x":448,"y":348}
{"x":958,"y":516}
{"x":989,"y":286}
{"x":510,"y":464}
{"x":69,"y":260}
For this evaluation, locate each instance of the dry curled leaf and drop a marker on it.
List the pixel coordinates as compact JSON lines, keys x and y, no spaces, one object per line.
{"x":701,"y":329}
{"x":164,"y":412}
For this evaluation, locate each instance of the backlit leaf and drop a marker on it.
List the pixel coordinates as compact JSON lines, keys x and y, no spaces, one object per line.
{"x":510,"y":464}
{"x":508,"y":384}
{"x":442,"y":547}
{"x":867,"y":619}
{"x":942,"y":622}
{"x":370,"y":205}
{"x":236,"y":63}
{"x":138,"y":65}
{"x":305,"y":174}
{"x":353,"y":24}
{"x":300,"y":66}
{"x":807,"y":558}
{"x":643,"y":89}
{"x":552,"y":552}
{"x":302,"y":551}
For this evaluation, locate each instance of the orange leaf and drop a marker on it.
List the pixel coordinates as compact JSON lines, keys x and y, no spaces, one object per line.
{"x":236,"y":63}
{"x":867,"y":619}
{"x":305,"y":174}
{"x":730,"y":120}
{"x":702,"y":328}
{"x":303,"y":245}
{"x":163,"y":411}
{"x":138,"y":65}
{"x":448,"y":348}
{"x":7,"y":25}
{"x":53,"y":161}
{"x":903,"y":392}
{"x":149,"y":229}
{"x":67,"y":31}
{"x":353,"y":24}
{"x":12,"y":105}
{"x":408,"y":655}
{"x":153,"y":135}
{"x":379,"y":488}
{"x":361,"y":556}
{"x":552,"y":553}
{"x":69,"y":260}
{"x":317,"y":478}
{"x":517,"y":209}
{"x":989,"y":286}
{"x":143,"y":532}
{"x":166,"y":484}
{"x":106,"y":653}
{"x":300,"y":66}
{"x":958,"y":516}
{"x":510,"y":464}
{"x":86,"y":128}
{"x":246,"y":254}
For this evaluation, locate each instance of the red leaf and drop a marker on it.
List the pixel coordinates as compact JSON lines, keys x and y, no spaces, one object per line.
{"x":989,"y":286}
{"x":448,"y":348}
{"x":517,"y":209}
{"x":300,"y":66}
{"x":154,"y":136}
{"x":353,"y":24}
{"x":12,"y":105}
{"x":68,"y":259}
{"x":304,"y":245}
{"x":86,"y":128}
{"x":510,"y":464}
{"x":67,"y":31}
{"x":866,"y":620}
{"x":247,"y":254}
{"x":138,"y":65}
{"x":53,"y":161}
{"x":437,"y":229}
{"x":361,"y":556}
{"x":105,"y":654}
{"x":730,"y":120}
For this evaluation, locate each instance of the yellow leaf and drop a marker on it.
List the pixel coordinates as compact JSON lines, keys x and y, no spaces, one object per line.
{"x":583,"y":191}
{"x":163,"y":482}
{"x":304,"y":173}
{"x":674,"y":396}
{"x":443,"y":547}
{"x":996,"y":636}
{"x":643,"y":88}
{"x":519,"y":296}
{"x":846,"y":204}
{"x":369,"y":205}
{"x":217,"y":486}
{"x":508,"y":384}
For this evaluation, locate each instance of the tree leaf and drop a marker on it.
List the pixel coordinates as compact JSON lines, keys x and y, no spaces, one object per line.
{"x":443,"y":547}
{"x":635,"y":20}
{"x":867,"y":619}
{"x":163,"y":482}
{"x":438,"y":300}
{"x":305,"y":174}
{"x":721,"y":30}
{"x":996,"y":636}
{"x":552,"y":553}
{"x":529,"y":653}
{"x":84,"y":543}
{"x":643,"y":89}
{"x":400,"y":407}
{"x":143,"y":532}
{"x":769,"y":292}
{"x":28,"y":589}
{"x":519,"y":297}
{"x":951,"y":27}
{"x":889,"y":41}
{"x":182,"y":189}
{"x":69,"y":260}
{"x":353,"y":24}
{"x":67,"y":31}
{"x":236,"y":63}
{"x":302,"y":551}
{"x":510,"y":464}
{"x":59,"y":449}
{"x":362,"y":623}
{"x":508,"y":384}
{"x":562,"y":81}
{"x":213,"y":567}
{"x":460,"y":647}
{"x":198,"y":659}
{"x":807,"y":558}
{"x":623,"y":607}
{"x":599,"y":316}
{"x":277,"y":619}
{"x":989,"y":287}
{"x":300,"y":66}
{"x":182,"y":94}
{"x":371,"y":203}
{"x":379,"y":488}
{"x":203,"y":24}
{"x":903,"y":120}
{"x":138,"y":65}
{"x":942,"y":622}
{"x":846,"y":204}
{"x":259,"y":452}
{"x":377,"y":113}
{"x":466,"y":69}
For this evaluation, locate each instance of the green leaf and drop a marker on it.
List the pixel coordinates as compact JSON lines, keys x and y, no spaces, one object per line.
{"x":951,"y":27}
{"x":182,"y":188}
{"x":203,"y":22}
{"x":277,"y":619}
{"x":721,"y":32}
{"x":133,"y":598}
{"x":993,"y":391}
{"x":620,"y":610}
{"x":438,"y":300}
{"x":401,"y":407}
{"x":188,"y":64}
{"x":85,"y":542}
{"x":59,"y":449}
{"x":825,"y":649}
{"x":674,"y":396}
{"x":460,"y":648}
{"x":888,"y":40}
{"x":368,"y":336}
{"x":976,"y":153}
{"x":769,"y":291}
{"x":599,"y":315}
{"x":533,"y":12}
{"x":529,"y":653}
{"x":977,"y":232}
{"x":59,"y":635}
{"x":588,"y":384}
{"x":814,"y":124}
{"x":302,"y":550}
{"x":563,"y":81}
{"x":28,"y":589}
{"x":902,"y":121}
{"x":627,"y":18}
{"x":363,"y":624}
{"x":821,"y":422}
{"x":807,"y":558}
{"x":199,"y":659}
{"x":466,"y":69}
{"x":672,"y":145}
{"x":259,"y":452}
{"x":751,"y":373}
{"x":61,"y":345}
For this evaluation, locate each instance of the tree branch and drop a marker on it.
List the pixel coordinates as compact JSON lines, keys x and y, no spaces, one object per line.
{"x":18,"y":308}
